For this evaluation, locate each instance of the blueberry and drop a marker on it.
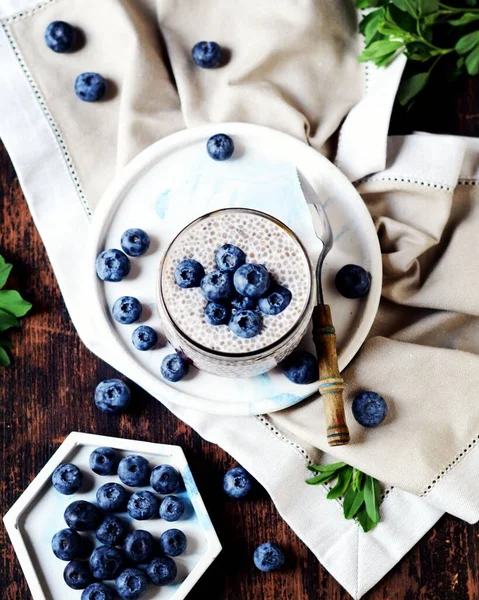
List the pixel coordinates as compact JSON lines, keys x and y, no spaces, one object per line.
{"x":237,"y":482}
{"x":217,"y":314}
{"x":90,"y":87}
{"x":104,"y":461}
{"x":162,"y":570}
{"x":139,"y":546}
{"x":352,"y":281}
{"x":251,"y":280}
{"x":112,"y":396}
{"x":60,"y":36}
{"x":98,"y":591}
{"x":165,"y":479}
{"x":245,"y":323}
{"x":268,"y":557}
{"x":220,"y":146}
{"x":143,"y":506}
{"x":369,"y":409}
{"x":82,"y":516}
{"x":171,"y":508}
{"x":112,"y":531}
{"x":243,"y":302}
{"x":67,"y":544}
{"x":207,"y":55}
{"x":173,"y":542}
{"x":131,"y":584}
{"x":127,"y":310}
{"x":134,"y":470}
{"x":144,"y":338}
{"x":174,"y":367}
{"x":275,"y":300}
{"x":301,"y":367}
{"x":217,"y":286}
{"x":112,"y":265}
{"x":135,"y":242}
{"x":77,"y":575}
{"x":189,"y":273}
{"x":106,"y":562}
{"x":67,"y":479}
{"x":229,"y":258}
{"x":112,"y":497}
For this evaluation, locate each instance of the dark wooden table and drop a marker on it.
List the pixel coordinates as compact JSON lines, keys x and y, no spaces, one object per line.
{"x":47,"y":393}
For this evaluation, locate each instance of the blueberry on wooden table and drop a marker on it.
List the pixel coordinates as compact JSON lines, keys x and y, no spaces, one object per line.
{"x":144,"y":338}
{"x":245,"y":324}
{"x":369,"y":409}
{"x":301,"y":367}
{"x":352,"y":281}
{"x":112,"y":531}
{"x":217,"y":314}
{"x":220,"y":147}
{"x":165,"y":479}
{"x":134,"y":470}
{"x":77,"y":575}
{"x":67,"y":544}
{"x":237,"y":482}
{"x":98,"y":591}
{"x":143,"y":505}
{"x":138,"y":546}
{"x":229,"y":258}
{"x":67,"y":479}
{"x":135,"y":242}
{"x":60,"y":36}
{"x":83,"y":516}
{"x":174,"y":367}
{"x":112,"y":265}
{"x":112,"y":396}
{"x":104,"y":461}
{"x":189,"y":273}
{"x":268,"y":557}
{"x":162,"y":570}
{"x":106,"y":562}
{"x":112,"y":497}
{"x":275,"y":300}
{"x":217,"y":286}
{"x":127,"y":310}
{"x":131,"y":584}
{"x":172,"y":508}
{"x":173,"y":542}
{"x":207,"y":55}
{"x":90,"y":87}
{"x":251,"y":280}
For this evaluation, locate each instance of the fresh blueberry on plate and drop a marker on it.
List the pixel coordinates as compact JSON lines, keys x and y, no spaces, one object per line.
{"x":143,"y":506}
{"x":217,"y":286}
{"x":172,"y":508}
{"x":106,"y":562}
{"x":243,"y":303}
{"x":220,"y":147}
{"x":229,"y":258}
{"x":173,"y":542}
{"x":67,"y":544}
{"x":144,"y":338}
{"x":207,"y":55}
{"x":112,"y":531}
{"x":83,"y":516}
{"x":112,"y":265}
{"x":112,"y":396}
{"x":369,"y":409}
{"x":275,"y":300}
{"x":237,"y":482}
{"x":268,"y":557}
{"x":352,"y":281}
{"x":112,"y":497}
{"x":60,"y":36}
{"x":134,"y":470}
{"x":77,"y":575}
{"x":251,"y":280}
{"x":127,"y":310}
{"x":104,"y":461}
{"x":162,"y":570}
{"x":98,"y":591}
{"x":174,"y":367}
{"x":189,"y":273}
{"x":131,"y":584}
{"x":165,"y":479}
{"x":301,"y":367}
{"x":90,"y":87}
{"x":139,"y":545}
{"x":217,"y":314}
{"x":245,"y":323}
{"x":67,"y":479}
{"x":135,"y":242}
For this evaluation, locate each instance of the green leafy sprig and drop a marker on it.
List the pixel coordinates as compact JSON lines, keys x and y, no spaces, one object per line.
{"x":361,"y":493}
{"x":12,"y":306}
{"x":425,"y":31}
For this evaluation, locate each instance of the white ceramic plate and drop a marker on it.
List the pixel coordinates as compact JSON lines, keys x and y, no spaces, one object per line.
{"x":38,"y":514}
{"x":137,"y":199}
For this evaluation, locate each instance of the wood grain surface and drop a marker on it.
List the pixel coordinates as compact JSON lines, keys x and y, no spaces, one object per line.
{"x":47,"y":392}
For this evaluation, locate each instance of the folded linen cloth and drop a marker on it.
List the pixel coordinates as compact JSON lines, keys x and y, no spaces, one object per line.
{"x":293,"y":67}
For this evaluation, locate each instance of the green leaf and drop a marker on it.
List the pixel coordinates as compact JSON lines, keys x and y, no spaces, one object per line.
{"x":326,"y":468}
{"x":471,"y":2}
{"x":372,"y":497}
{"x":401,"y":19}
{"x":366,"y":523}
{"x":357,"y":479}
{"x":465,"y":19}
{"x":12,"y":302}
{"x":353,"y":500}
{"x":418,"y":51}
{"x":323,"y":478}
{"x":467,"y":42}
{"x":4,"y":358}
{"x":5,"y":269}
{"x":472,"y":62}
{"x":369,"y":25}
{"x":370,"y":3}
{"x":410,"y":88}
{"x":344,"y":480}
{"x":409,"y":6}
{"x":381,"y":52}
{"x":427,"y":7}
{"x":7,"y":320}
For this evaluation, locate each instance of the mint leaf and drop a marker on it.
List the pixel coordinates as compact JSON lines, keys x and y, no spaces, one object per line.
{"x":407,"y":6}
{"x":369,"y":25}
{"x":4,"y":358}
{"x":401,"y":19}
{"x":352,"y":502}
{"x":5,"y":269}
{"x":12,"y":302}
{"x":344,"y":480}
{"x":465,"y":19}
{"x":7,"y":320}
{"x":357,"y":479}
{"x":472,"y":62}
{"x":370,"y":3}
{"x":410,"y":88}
{"x":467,"y":42}
{"x":323,"y":478}
{"x":426,"y":7}
{"x":326,"y":468}
{"x":372,"y":497}
{"x":366,"y":523}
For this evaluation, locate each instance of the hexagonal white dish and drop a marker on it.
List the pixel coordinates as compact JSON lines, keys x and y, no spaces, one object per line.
{"x":38,"y":514}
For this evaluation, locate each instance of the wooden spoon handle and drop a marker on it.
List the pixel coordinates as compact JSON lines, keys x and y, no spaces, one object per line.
{"x":331,"y":384}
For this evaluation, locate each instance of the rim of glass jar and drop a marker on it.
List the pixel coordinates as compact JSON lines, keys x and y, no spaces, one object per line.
{"x":259,"y":351}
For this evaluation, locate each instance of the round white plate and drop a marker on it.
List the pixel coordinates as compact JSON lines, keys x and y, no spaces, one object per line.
{"x":139,"y":197}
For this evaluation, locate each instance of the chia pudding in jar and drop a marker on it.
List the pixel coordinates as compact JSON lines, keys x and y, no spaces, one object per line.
{"x":265,"y":241}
